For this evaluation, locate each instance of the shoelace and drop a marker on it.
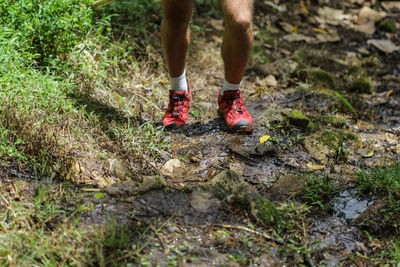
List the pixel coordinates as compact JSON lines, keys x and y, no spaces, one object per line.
{"x":176,"y":102}
{"x":230,"y":101}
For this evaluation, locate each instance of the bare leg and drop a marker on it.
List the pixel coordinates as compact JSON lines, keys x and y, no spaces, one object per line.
{"x":175,"y":33}
{"x":238,"y":38}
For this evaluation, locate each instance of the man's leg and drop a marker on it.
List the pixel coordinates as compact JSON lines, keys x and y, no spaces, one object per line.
{"x":238,"y":38}
{"x":175,"y":33}
{"x":236,"y":48}
{"x":176,"y":39}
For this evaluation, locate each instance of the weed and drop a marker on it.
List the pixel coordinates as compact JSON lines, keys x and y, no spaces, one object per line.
{"x":319,"y":191}
{"x":384,"y":181}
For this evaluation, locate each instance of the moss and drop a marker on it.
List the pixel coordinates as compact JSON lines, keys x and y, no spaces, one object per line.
{"x":331,"y":139}
{"x":317,"y":77}
{"x":334,"y":120}
{"x":387,"y":25}
{"x":297,"y":118}
{"x":354,"y":70}
{"x":345,"y":103}
{"x":298,"y":115}
{"x":363,"y":85}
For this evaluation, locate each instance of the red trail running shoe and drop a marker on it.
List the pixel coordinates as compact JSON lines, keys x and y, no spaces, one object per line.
{"x":234,"y":112}
{"x":178,"y":108}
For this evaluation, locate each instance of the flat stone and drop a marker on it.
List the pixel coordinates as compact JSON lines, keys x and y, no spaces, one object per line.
{"x":290,"y":185}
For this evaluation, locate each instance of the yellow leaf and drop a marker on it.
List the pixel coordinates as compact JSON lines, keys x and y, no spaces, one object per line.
{"x":320,"y":30}
{"x":303,"y":7}
{"x":295,"y":29}
{"x":264,"y":138}
{"x":389,"y":93}
{"x":369,"y":154}
{"x":315,"y":166}
{"x":164,"y":80}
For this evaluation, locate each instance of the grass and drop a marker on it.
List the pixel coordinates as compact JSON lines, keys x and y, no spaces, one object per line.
{"x":44,"y":229}
{"x":384,"y":183}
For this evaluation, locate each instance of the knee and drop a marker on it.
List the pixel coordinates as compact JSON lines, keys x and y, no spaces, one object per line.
{"x":177,"y":14}
{"x":240,"y":23}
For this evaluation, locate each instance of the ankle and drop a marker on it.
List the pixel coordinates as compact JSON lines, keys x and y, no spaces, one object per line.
{"x":227,"y":86}
{"x":179,"y":83}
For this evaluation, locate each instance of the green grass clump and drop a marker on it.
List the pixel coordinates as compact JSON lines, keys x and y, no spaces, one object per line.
{"x":45,"y":230}
{"x":319,"y":191}
{"x":363,"y":85}
{"x":384,"y":181}
{"x":387,"y":25}
{"x":45,"y":30}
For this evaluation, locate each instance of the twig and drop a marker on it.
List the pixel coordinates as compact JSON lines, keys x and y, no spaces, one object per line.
{"x":243,"y":228}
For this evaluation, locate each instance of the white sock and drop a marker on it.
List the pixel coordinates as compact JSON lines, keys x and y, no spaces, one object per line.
{"x":179,"y":83}
{"x":227,"y":86}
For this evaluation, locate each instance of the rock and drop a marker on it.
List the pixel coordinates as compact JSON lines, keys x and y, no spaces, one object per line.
{"x":362,"y":85}
{"x":237,"y":167}
{"x":289,"y":185}
{"x":203,"y":201}
{"x":371,"y":212}
{"x":271,"y":81}
{"x":297,"y":118}
{"x":270,"y":117}
{"x":118,"y":169}
{"x":113,"y":191}
{"x":267,"y":260}
{"x":265,"y":149}
{"x":150,"y":183}
{"x":323,"y":144}
{"x":174,"y":168}
{"x":227,"y":180}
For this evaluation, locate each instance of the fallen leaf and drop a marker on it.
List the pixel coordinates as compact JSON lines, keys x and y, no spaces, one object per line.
{"x":389,"y":93}
{"x":264,"y":138}
{"x":331,"y":16}
{"x":367,"y":14}
{"x":164,"y":80}
{"x":320,"y":30}
{"x":280,"y":8}
{"x":297,"y":37}
{"x":386,"y":45}
{"x":99,"y":195}
{"x":369,"y":154}
{"x":315,"y":166}
{"x":388,"y":5}
{"x":304,"y":8}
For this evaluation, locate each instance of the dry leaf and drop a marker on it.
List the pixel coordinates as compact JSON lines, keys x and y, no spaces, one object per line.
{"x":386,"y":46}
{"x":389,"y":93}
{"x":320,"y":30}
{"x":388,"y":5}
{"x":264,"y":138}
{"x":369,"y":154}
